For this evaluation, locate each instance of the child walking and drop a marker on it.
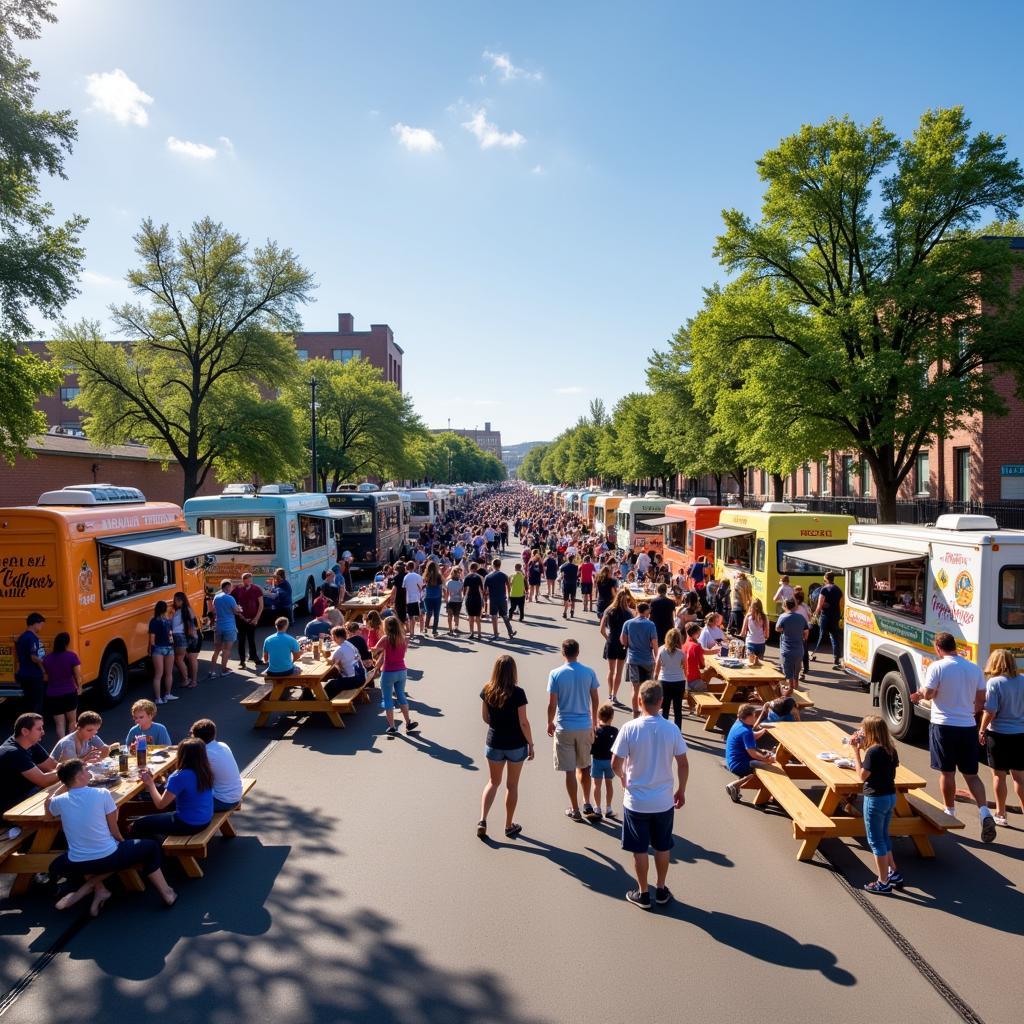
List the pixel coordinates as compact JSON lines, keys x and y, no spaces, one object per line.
{"x":601,"y":759}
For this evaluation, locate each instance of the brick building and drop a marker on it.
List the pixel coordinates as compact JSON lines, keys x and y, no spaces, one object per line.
{"x":62,"y":460}
{"x":377,"y":345}
{"x":489,"y":440}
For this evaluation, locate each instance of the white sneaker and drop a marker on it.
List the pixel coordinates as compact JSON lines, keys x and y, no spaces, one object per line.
{"x":171,"y":696}
{"x":1000,"y":820}
{"x":159,"y":700}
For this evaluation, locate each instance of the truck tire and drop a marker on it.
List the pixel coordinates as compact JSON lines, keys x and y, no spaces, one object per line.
{"x":112,"y":681}
{"x":896,"y":709}
{"x":309,"y":597}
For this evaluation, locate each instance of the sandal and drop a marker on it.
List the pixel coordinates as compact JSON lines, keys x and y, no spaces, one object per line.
{"x":481,"y":829}
{"x":513,"y":830}
{"x":575,"y":815}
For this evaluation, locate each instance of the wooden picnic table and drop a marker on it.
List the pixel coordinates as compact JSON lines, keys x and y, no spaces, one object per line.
{"x":31,"y":814}
{"x":799,"y":743}
{"x":287,"y":693}
{"x":358,"y":606}
{"x":721,"y":697}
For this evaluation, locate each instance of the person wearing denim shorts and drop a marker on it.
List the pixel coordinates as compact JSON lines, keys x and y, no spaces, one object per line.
{"x":509,"y":741}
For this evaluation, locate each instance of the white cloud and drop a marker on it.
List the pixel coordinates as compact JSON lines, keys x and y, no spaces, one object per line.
{"x":416,"y":140}
{"x":191,"y":150}
{"x":226,"y":144}
{"x":90,"y":277}
{"x":502,"y":63}
{"x":488,"y":135}
{"x":114,"y":93}
{"x":572,"y":390}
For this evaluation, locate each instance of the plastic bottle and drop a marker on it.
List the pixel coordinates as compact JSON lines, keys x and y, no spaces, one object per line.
{"x":140,"y":752}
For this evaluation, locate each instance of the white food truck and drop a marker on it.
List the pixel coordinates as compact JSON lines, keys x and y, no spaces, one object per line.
{"x":904,"y":584}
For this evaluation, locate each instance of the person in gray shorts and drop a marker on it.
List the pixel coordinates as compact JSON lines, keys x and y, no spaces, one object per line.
{"x":793,"y":632}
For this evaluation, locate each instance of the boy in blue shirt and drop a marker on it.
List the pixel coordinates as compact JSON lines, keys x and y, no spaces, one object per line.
{"x":281,"y":650}
{"x":143,"y":714}
{"x":741,"y":752}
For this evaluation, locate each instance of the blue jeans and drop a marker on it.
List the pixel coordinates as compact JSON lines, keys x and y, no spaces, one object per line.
{"x":830,"y":627}
{"x":877,"y":815}
{"x":392,"y":689}
{"x":432,"y":607}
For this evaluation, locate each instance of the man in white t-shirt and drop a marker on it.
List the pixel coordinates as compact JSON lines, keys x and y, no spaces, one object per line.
{"x":414,"y":610}
{"x":227,"y":780}
{"x":956,"y":688}
{"x":642,"y":758}
{"x":643,"y":563}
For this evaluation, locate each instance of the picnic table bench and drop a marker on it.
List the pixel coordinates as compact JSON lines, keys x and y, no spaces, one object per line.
{"x":359,"y":605}
{"x":287,"y":694}
{"x":916,"y":814}
{"x":189,"y":849}
{"x":44,"y":829}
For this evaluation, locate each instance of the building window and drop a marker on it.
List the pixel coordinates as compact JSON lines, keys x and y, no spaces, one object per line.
{"x":67,"y":394}
{"x":764,"y":482}
{"x":807,"y":479}
{"x":303,"y":354}
{"x":865,"y":479}
{"x":824,"y":477}
{"x":961,"y":474}
{"x":922,"y":475}
{"x":344,"y":355}
{"x":849,"y":476}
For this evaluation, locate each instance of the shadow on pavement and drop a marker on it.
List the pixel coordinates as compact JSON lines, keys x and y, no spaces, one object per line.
{"x":439,"y":752}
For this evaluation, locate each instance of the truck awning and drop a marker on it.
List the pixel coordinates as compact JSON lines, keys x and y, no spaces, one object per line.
{"x":335,"y":513}
{"x":853,"y":556}
{"x":170,"y":545}
{"x":723,"y":532}
{"x":663,"y":521}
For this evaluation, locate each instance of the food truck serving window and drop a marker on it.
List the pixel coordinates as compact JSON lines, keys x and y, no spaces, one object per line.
{"x":641,"y":520}
{"x":1011,"y":597}
{"x":125,"y":574}
{"x":893,"y":586}
{"x":313,"y":532}
{"x":253,"y":534}
{"x":736,"y":551}
{"x":677,"y":534}
{"x":789,"y":562}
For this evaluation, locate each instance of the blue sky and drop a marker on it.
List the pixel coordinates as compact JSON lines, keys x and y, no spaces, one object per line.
{"x":528,"y":193}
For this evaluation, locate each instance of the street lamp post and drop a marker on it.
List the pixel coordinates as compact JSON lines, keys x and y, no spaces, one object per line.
{"x":312,"y":420}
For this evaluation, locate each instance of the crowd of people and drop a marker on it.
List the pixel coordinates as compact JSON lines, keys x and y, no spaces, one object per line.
{"x":658,"y":631}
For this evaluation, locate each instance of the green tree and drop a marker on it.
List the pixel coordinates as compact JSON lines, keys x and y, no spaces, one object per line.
{"x":530,"y":468}
{"x":447,"y":458}
{"x":213,"y":333}
{"x":39,"y":260}
{"x":626,"y":452}
{"x":863,"y":322}
{"x":365,"y":425}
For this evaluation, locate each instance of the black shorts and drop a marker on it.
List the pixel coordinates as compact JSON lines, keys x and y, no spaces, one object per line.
{"x":638,"y":674}
{"x":412,"y":609}
{"x":61,"y":704}
{"x":569,"y":593}
{"x":954,"y":748}
{"x":586,"y":589}
{"x":454,"y":607}
{"x":641,"y":832}
{"x":1005,"y":751}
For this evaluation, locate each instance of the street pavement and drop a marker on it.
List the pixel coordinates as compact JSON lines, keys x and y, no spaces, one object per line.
{"x":357,"y":889}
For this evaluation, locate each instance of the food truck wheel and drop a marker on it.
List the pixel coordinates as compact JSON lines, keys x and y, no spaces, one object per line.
{"x":896,"y":708}
{"x":310,"y":596}
{"x":112,"y":678}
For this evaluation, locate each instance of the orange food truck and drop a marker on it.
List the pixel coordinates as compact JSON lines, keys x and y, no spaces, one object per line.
{"x":683,"y":545}
{"x":94,"y":560}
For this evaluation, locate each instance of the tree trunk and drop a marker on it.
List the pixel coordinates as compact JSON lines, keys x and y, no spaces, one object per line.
{"x":887,"y":491}
{"x":718,"y":488}
{"x":190,"y":482}
{"x":777,"y":485}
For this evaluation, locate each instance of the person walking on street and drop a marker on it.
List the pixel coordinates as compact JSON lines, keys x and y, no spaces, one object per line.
{"x":225,"y":626}
{"x":956,"y":688}
{"x":793,"y":632}
{"x":250,"y":603}
{"x":570,"y":572}
{"x":612,"y":621}
{"x":642,"y":758}
{"x":572,"y":723}
{"x":496,"y":586}
{"x":517,"y":592}
{"x":509,"y":741}
{"x":663,"y":612}
{"x":829,"y":610}
{"x":640,"y":638}
{"x":1002,"y":727}
{"x":413,"y":584}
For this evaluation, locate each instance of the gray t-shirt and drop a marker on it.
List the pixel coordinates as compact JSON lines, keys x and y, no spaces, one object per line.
{"x":639,"y":634}
{"x":68,"y":748}
{"x":1006,"y":698}
{"x":790,"y":626}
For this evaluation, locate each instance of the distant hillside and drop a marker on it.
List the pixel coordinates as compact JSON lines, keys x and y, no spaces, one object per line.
{"x":522,"y":448}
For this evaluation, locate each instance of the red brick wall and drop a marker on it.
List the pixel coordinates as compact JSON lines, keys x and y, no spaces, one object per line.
{"x":22,"y":483}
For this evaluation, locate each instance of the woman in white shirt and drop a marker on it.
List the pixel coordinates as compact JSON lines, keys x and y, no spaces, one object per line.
{"x":96,"y":848}
{"x":805,"y":610}
{"x":668,"y":670}
{"x":755,"y":629}
{"x":711,"y":636}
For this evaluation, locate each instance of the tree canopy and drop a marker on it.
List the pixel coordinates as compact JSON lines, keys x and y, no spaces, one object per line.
{"x":447,"y":457}
{"x":208,"y":338}
{"x":39,"y":260}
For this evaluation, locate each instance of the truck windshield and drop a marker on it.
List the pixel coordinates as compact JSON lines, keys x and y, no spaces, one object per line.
{"x":359,"y":524}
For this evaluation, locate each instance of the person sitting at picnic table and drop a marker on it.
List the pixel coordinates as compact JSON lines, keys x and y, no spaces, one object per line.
{"x":347,"y":664}
{"x":25,"y":766}
{"x":96,"y":848}
{"x":281,"y":650}
{"x":780,"y":709}
{"x":354,"y":635}
{"x":711,"y":636}
{"x":227,"y":780}
{"x":329,"y":588}
{"x":742,"y":753}
{"x":84,"y":743}
{"x":144,"y":715}
{"x":190,"y":789}
{"x":318,"y":627}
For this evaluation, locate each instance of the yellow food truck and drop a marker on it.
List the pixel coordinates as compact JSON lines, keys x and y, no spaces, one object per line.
{"x":94,"y":560}
{"x":766,"y":543}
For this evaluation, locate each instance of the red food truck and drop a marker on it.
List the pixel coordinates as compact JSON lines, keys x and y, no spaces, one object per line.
{"x":681,"y":521}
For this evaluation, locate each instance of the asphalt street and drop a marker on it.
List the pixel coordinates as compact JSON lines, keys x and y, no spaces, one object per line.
{"x":357,"y":890}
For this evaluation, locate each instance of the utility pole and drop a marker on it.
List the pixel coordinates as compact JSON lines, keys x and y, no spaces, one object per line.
{"x":312,"y":420}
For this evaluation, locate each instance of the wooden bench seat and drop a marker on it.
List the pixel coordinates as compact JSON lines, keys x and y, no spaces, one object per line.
{"x":189,"y":848}
{"x":261,"y":692}
{"x":807,"y":818}
{"x":932,"y":811}
{"x":14,"y":862}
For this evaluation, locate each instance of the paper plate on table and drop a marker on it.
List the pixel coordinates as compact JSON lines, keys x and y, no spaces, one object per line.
{"x":828,"y":755}
{"x":843,"y":762}
{"x":731,"y":662}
